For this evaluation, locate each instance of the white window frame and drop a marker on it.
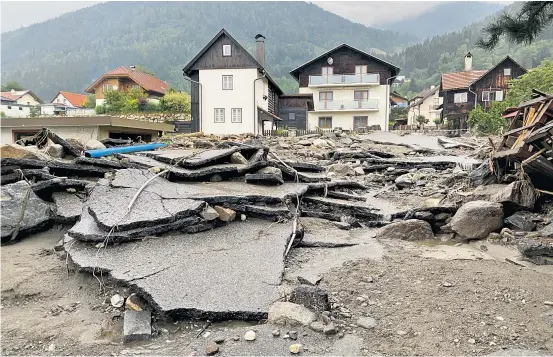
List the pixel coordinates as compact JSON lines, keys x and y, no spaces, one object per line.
{"x":107,"y":87}
{"x":486,"y":97}
{"x":236,"y":115}
{"x":135,"y":86}
{"x":461,"y":97}
{"x":227,"y":50}
{"x":219,"y":115}
{"x":363,"y":69}
{"x":229,"y":82}
{"x":499,"y":96}
{"x":506,"y":71}
{"x":291,"y":116}
{"x":328,"y":69}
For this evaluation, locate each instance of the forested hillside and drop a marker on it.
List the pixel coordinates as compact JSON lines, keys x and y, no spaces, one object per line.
{"x":69,"y":52}
{"x":424,"y":62}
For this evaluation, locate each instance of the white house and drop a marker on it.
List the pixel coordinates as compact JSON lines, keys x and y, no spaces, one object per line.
{"x":24,"y":97}
{"x":231,"y":91}
{"x":350,"y":88}
{"x":427,"y":103}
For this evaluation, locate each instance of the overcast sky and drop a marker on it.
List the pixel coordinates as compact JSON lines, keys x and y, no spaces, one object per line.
{"x":16,"y":14}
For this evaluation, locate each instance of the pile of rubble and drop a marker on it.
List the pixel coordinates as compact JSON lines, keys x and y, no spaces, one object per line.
{"x":185,"y":227}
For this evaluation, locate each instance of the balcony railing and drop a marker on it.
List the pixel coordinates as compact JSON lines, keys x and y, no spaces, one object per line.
{"x":370,"y":104}
{"x":344,"y":79}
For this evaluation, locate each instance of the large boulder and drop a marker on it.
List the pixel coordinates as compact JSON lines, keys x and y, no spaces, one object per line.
{"x":411,"y":229}
{"x":55,"y":150}
{"x":37,"y":215}
{"x":312,"y":297}
{"x":14,"y":151}
{"x":519,"y":195}
{"x":320,"y":143}
{"x":290,"y":313}
{"x":341,"y":169}
{"x":477,"y":219}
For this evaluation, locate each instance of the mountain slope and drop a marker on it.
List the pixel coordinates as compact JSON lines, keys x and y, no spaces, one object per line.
{"x":69,"y":52}
{"x":445,"y":18}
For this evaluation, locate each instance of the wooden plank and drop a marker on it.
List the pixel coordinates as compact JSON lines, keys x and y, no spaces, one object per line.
{"x":514,"y":131}
{"x":534,"y":101}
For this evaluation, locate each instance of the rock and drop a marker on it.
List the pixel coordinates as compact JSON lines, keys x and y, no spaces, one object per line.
{"x":225,"y":214}
{"x":517,"y":195}
{"x":211,"y":348}
{"x":135,"y":302}
{"x":320,"y":143}
{"x":341,"y":169}
{"x":55,"y":150}
{"x":216,"y":178}
{"x":51,"y":347}
{"x":346,"y":141}
{"x":283,"y":145}
{"x":94,"y":144}
{"x":266,"y":176}
{"x":521,"y":221}
{"x":359,"y":171}
{"x":404,"y":181}
{"x":209,"y":213}
{"x":411,"y":229}
{"x":442,"y":216}
{"x":312,"y":297}
{"x":293,"y":335}
{"x":424,"y":216}
{"x":366,"y":323}
{"x":535,"y":247}
{"x":235,"y":338}
{"x":310,"y":279}
{"x":137,"y":325}
{"x":330,"y":329}
{"x":477,"y":219}
{"x":68,"y":206}
{"x":250,"y":335}
{"x":37,"y":216}
{"x":494,"y":236}
{"x":287,"y":312}
{"x":296,"y":348}
{"x":15,"y":151}
{"x":276,"y":332}
{"x":317,"y":326}
{"x":76,"y":144}
{"x":238,"y":158}
{"x":305,"y":142}
{"x":117,"y":300}
{"x":219,"y":340}
{"x":203,"y":144}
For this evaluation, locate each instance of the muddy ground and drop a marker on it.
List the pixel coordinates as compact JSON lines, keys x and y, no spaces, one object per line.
{"x":424,"y":303}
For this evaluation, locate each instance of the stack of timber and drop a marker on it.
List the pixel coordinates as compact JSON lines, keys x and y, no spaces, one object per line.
{"x":527,"y":146}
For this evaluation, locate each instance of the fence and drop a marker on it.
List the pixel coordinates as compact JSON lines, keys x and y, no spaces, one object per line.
{"x":183,"y":126}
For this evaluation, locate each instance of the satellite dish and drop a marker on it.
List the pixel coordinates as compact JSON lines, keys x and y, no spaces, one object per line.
{"x":330,"y":60}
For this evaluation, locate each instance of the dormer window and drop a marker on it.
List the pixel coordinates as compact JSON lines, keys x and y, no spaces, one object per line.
{"x":507,"y":71}
{"x":226,"y":50}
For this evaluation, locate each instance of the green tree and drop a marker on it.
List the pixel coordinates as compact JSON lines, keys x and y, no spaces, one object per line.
{"x":176,"y":103}
{"x":421,"y":119}
{"x":12,"y":85}
{"x":523,"y":27}
{"x":90,"y":101}
{"x":398,"y":113}
{"x":34,"y":111}
{"x":115,"y":101}
{"x":488,"y":122}
{"x":540,"y":78}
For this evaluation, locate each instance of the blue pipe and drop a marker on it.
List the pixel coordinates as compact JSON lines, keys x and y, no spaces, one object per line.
{"x":123,"y":149}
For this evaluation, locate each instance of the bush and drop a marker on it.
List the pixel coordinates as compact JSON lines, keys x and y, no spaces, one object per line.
{"x":115,"y":101}
{"x":489,"y":122}
{"x":421,"y":119}
{"x":34,"y":111}
{"x":437,"y":121}
{"x":176,"y":103}
{"x":100,"y":109}
{"x":142,"y":104}
{"x":90,"y":101}
{"x":2,"y":115}
{"x":152,"y":107}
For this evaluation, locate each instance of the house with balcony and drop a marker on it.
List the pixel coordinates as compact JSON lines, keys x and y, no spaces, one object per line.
{"x":427,"y":103}
{"x":350,"y":88}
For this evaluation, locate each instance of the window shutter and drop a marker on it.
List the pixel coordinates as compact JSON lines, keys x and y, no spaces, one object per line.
{"x":499,"y":96}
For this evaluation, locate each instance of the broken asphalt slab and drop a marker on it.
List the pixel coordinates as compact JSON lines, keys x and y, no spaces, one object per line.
{"x":415,"y":141}
{"x":68,"y":206}
{"x":229,"y":273}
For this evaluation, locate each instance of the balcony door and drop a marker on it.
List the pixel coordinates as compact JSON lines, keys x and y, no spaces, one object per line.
{"x":325,"y":98}
{"x":360,"y":96}
{"x":360,"y":122}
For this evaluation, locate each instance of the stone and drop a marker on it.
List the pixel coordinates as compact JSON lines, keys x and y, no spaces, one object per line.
{"x":411,"y":229}
{"x":442,"y":216}
{"x":366,"y":323}
{"x":341,"y":170}
{"x":287,"y":312}
{"x":314,"y":279}
{"x":320,"y":143}
{"x":518,"y":195}
{"x":209,"y":213}
{"x":216,"y":178}
{"x":238,"y":158}
{"x":117,"y":300}
{"x":283,"y":145}
{"x":211,"y":348}
{"x":293,"y":335}
{"x":137,"y":325}
{"x":276,"y":332}
{"x":312,"y":297}
{"x":135,"y":302}
{"x":346,"y":141}
{"x":404,"y":181}
{"x":359,"y":171}
{"x":37,"y":216}
{"x":477,"y":219}
{"x":68,"y":206}
{"x":266,"y":176}
{"x":219,"y":340}
{"x":203,"y":144}
{"x":424,"y":216}
{"x":94,"y":144}
{"x":296,"y":348}
{"x":55,"y":150}
{"x":225,"y":214}
{"x":305,"y":142}
{"x":250,"y":335}
{"x":521,"y":221}
{"x":535,"y":246}
{"x":15,"y":151}
{"x":330,"y":329}
{"x":317,"y":326}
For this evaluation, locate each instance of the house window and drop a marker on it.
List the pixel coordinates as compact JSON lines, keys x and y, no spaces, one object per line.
{"x":64,"y":101}
{"x":460,"y":97}
{"x":9,"y":106}
{"x":360,"y":69}
{"x":361,"y":95}
{"x":226,"y":50}
{"x":325,"y":122}
{"x":486,"y":97}
{"x":59,"y":100}
{"x":499,"y":96}
{"x":135,"y":86}
{"x":108,"y":87}
{"x":227,"y":82}
{"x":327,"y":70}
{"x":219,"y":115}
{"x":360,"y":122}
{"x":325,"y":96}
{"x":507,"y":71}
{"x":20,"y":108}
{"x":236,"y":115}
{"x":291,"y":116}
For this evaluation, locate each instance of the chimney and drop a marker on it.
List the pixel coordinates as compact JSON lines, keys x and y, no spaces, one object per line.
{"x":260,"y":49}
{"x":432,"y":87}
{"x":468,"y":62}
{"x":132,"y":67}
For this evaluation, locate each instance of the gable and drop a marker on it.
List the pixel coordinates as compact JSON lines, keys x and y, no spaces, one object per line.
{"x":212,"y":56}
{"x":496,"y":78}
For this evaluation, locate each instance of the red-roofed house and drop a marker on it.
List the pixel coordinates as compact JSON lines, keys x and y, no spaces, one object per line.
{"x":69,"y":99}
{"x":123,"y":79}
{"x":24,"y":97}
{"x":461,"y":91}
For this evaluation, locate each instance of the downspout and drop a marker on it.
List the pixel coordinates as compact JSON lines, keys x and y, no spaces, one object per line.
{"x":201,"y":99}
{"x":475,"y":103}
{"x":387,"y":115}
{"x":254,"y":101}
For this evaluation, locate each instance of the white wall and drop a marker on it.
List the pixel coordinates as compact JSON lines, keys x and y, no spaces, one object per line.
{"x":28,"y":100}
{"x":241,"y":96}
{"x":15,"y":111}
{"x":344,"y":118}
{"x":425,"y":108}
{"x":60,"y":99}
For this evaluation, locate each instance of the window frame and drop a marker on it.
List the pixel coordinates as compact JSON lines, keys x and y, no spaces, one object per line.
{"x":461,"y":99}
{"x":326,"y":92}
{"x":104,"y":87}
{"x":362,"y":65}
{"x":232,"y":115}
{"x":215,"y":115}
{"x":360,"y":117}
{"x":292,"y":116}
{"x":325,"y":118}
{"x":361,"y":91}
{"x":229,"y":50}
{"x":502,"y":96}
{"x":231,"y":81}
{"x":329,"y":70}
{"x":505,"y":71}
{"x":488,"y":95}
